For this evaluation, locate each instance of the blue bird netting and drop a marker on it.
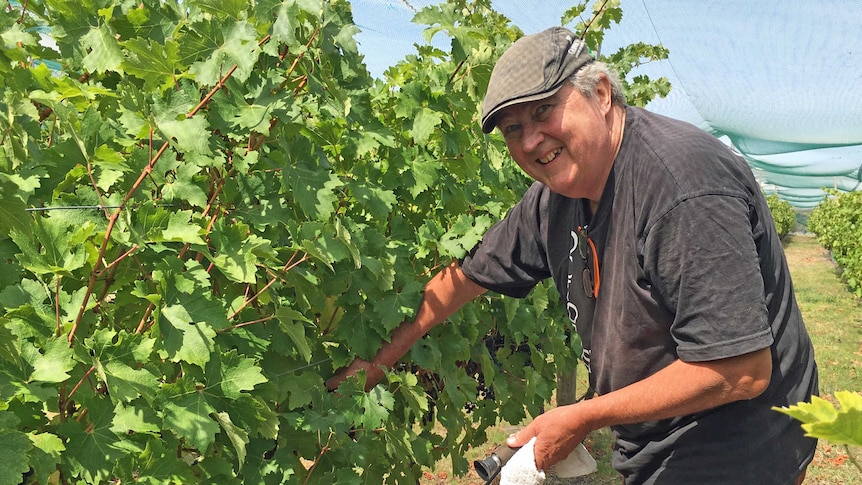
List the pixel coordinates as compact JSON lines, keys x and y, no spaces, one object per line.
{"x":779,"y":80}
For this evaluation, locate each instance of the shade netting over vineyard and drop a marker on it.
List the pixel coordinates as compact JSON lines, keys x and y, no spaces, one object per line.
{"x":780,"y":80}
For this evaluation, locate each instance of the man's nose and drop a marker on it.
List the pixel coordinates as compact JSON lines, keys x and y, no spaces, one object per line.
{"x":532,"y":137}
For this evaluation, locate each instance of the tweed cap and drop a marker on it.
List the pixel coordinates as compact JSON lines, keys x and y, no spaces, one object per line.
{"x":534,"y":67}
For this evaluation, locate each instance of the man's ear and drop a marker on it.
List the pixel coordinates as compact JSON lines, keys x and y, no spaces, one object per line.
{"x":603,"y":92}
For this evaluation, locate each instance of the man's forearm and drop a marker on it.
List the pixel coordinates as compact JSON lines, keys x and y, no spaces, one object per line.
{"x":684,"y":388}
{"x":444,"y":294}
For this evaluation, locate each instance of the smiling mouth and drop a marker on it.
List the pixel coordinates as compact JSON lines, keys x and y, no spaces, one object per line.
{"x":550,"y":157}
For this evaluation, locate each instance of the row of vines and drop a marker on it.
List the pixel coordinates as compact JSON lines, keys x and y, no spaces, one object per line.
{"x":209,"y":206}
{"x":783,"y":214}
{"x":837,"y":222}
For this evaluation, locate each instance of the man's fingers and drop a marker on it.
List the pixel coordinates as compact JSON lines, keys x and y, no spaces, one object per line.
{"x":372,"y":374}
{"x":342,"y":375}
{"x":333,"y":382}
{"x":541,"y":456}
{"x":520,"y":438}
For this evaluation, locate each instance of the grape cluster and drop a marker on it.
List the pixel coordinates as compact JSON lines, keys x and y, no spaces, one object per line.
{"x":433,"y":382}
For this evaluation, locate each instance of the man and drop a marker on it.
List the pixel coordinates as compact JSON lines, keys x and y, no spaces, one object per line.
{"x":662,"y":245}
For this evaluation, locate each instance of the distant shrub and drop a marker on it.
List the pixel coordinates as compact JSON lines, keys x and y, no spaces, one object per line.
{"x":782,"y":213}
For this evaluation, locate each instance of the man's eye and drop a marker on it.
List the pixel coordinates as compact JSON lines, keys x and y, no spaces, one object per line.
{"x":510,"y":129}
{"x":543,"y":109}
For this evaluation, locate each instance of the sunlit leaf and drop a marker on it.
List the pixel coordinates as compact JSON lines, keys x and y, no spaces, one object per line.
{"x":157,"y":63}
{"x":104,"y":52}
{"x":821,"y":420}
{"x":54,"y":364}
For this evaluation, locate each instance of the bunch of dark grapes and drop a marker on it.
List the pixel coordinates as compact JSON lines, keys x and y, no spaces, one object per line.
{"x":434,"y":384}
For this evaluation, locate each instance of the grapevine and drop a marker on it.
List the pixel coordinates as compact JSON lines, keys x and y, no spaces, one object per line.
{"x":209,"y":207}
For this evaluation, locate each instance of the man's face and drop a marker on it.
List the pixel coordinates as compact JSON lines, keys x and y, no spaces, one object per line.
{"x":563,"y":141}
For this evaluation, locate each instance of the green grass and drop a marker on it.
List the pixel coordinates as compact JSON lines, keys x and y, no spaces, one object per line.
{"x":833,"y":317}
{"x":832,"y":314}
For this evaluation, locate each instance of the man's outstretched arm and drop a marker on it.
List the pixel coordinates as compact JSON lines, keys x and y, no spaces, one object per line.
{"x":445,"y":293}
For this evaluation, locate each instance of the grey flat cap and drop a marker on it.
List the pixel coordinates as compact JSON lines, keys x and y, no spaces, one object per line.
{"x":534,"y":67}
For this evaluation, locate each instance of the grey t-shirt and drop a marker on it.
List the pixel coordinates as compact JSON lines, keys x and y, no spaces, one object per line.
{"x":691,"y":268}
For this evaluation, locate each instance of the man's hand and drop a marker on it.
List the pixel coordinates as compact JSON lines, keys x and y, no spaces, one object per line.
{"x":557,"y":433}
{"x":373,"y":374}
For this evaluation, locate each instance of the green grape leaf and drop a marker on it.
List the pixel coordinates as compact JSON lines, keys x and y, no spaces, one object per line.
{"x":184,"y":189}
{"x":158,"y":464}
{"x":157,"y":63}
{"x":116,"y":358}
{"x":284,"y":26}
{"x":126,"y":383}
{"x":256,"y":117}
{"x":54,"y":364}
{"x":227,"y":8}
{"x":239,"y":48}
{"x":191,"y":318}
{"x":425,"y":124}
{"x":371,"y":138}
{"x":104,"y":52}
{"x":187,"y":412}
{"x":821,"y":420}
{"x":398,"y":306}
{"x":408,"y":386}
{"x":48,"y":442}
{"x":189,"y":135}
{"x":464,"y":235}
{"x":14,"y":446}
{"x":186,"y":339}
{"x":180,"y":230}
{"x":379,"y":202}
{"x":13,"y":215}
{"x":91,"y":447}
{"x":232,"y":374}
{"x":15,"y":34}
{"x":343,"y":236}
{"x":426,"y":353}
{"x":134,"y":418}
{"x":314,"y":190}
{"x":422,"y":175}
{"x":373,"y":408}
{"x":237,"y":436}
{"x":237,"y":251}
{"x":292,"y":323}
{"x":51,"y":247}
{"x":818,"y":409}
{"x":110,"y":345}
{"x":300,"y":387}
{"x":359,"y":329}
{"x":48,"y":452}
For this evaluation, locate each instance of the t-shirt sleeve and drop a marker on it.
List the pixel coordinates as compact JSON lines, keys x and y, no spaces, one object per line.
{"x":702,"y":261}
{"x":511,"y":258}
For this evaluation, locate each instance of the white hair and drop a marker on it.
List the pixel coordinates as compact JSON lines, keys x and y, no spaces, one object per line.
{"x":586,"y":78}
